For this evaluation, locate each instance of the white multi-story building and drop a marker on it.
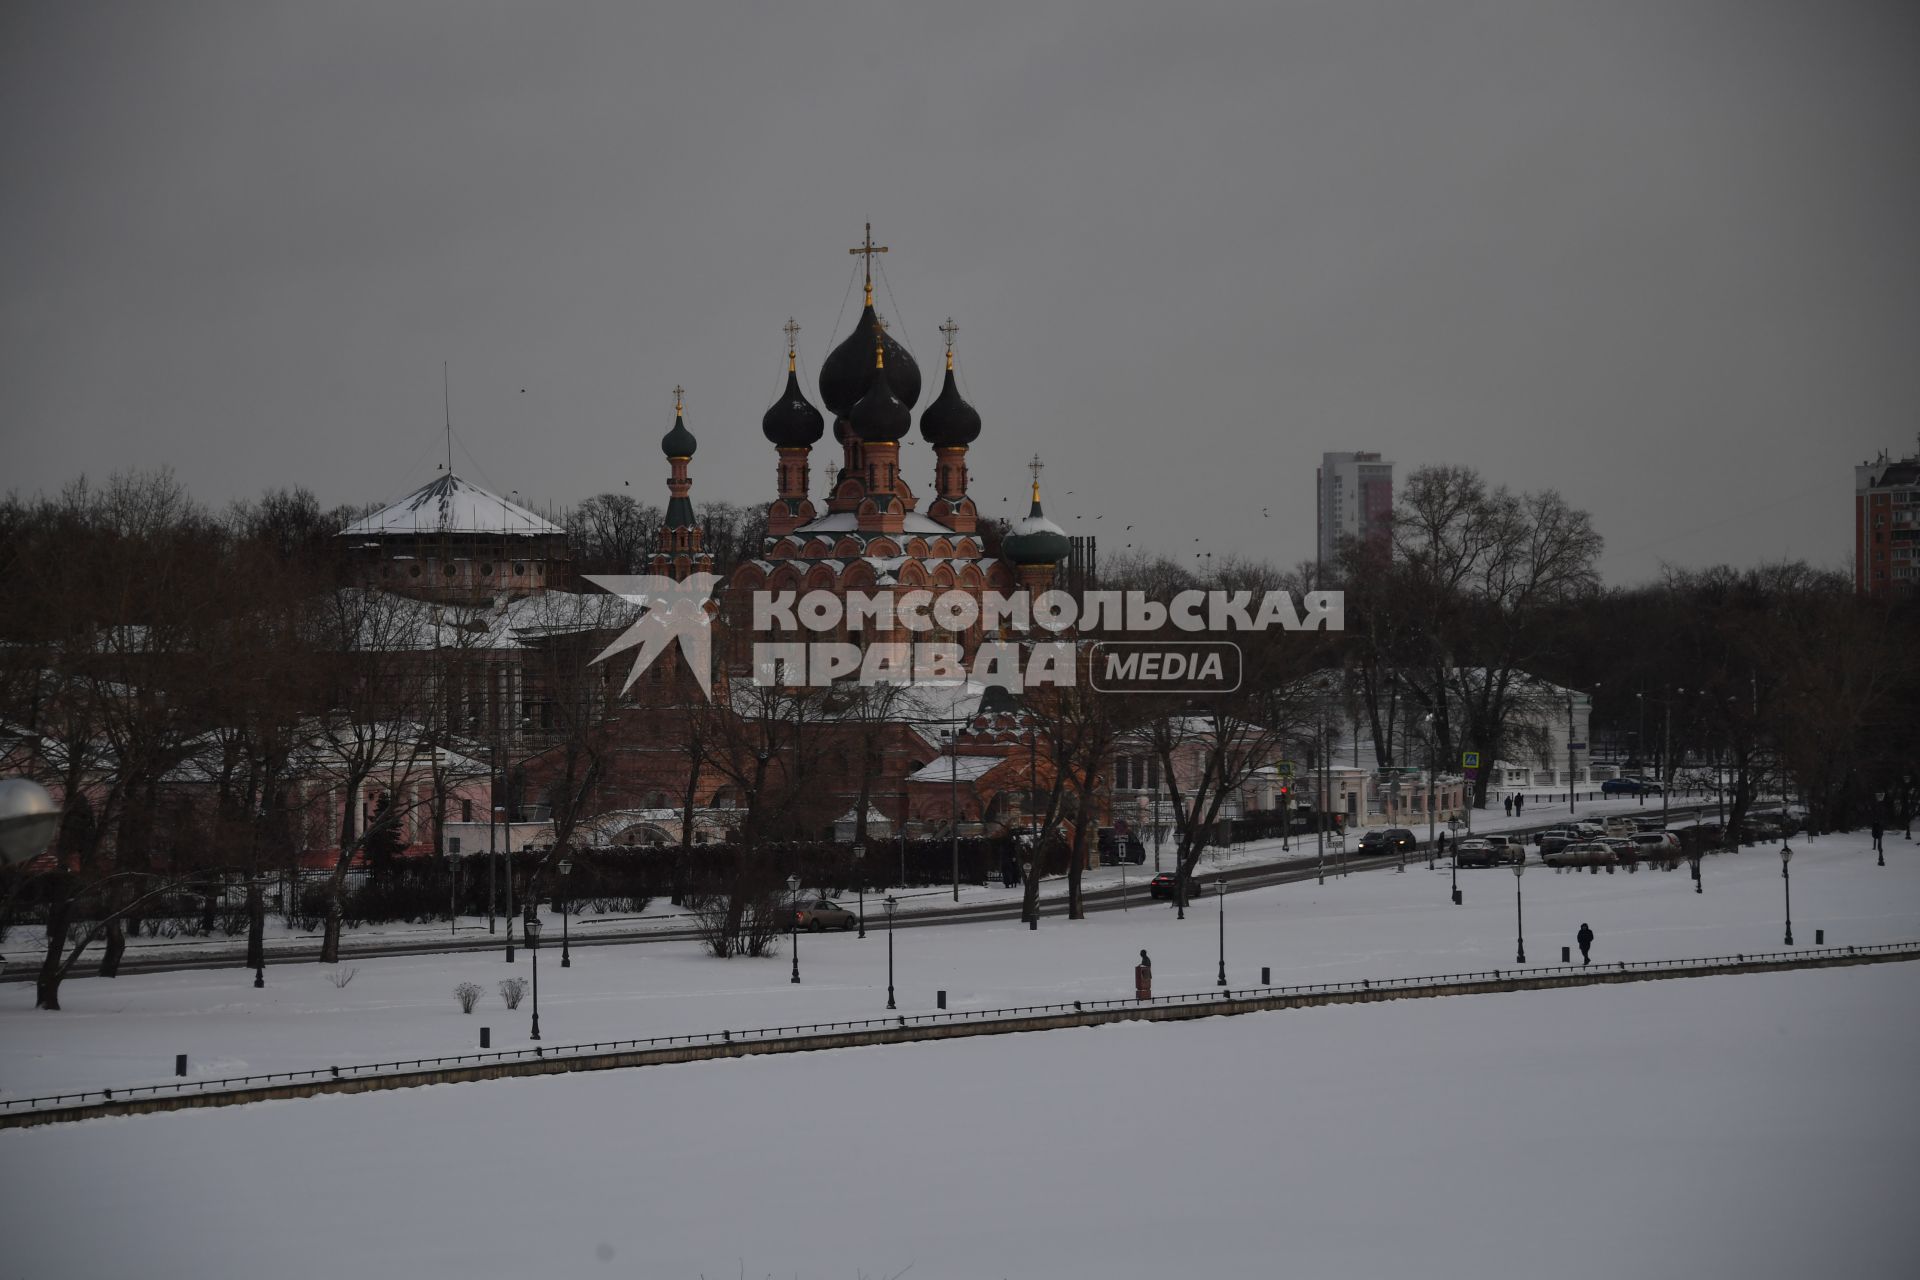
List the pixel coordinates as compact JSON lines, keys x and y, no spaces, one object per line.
{"x":1353,"y":498}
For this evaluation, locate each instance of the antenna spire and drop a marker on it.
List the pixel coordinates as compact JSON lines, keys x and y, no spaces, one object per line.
{"x":446,"y":404}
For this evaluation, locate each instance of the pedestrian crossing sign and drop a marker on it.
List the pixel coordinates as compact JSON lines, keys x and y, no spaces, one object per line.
{"x":1470,"y":759}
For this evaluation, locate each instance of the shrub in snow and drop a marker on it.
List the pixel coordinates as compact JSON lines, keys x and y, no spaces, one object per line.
{"x":468,"y":994}
{"x":513,"y":991}
{"x":341,"y":975}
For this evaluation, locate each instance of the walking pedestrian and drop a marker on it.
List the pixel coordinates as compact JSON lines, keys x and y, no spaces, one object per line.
{"x":1879,"y":833}
{"x":1585,"y":939}
{"x":1443,"y":844}
{"x":1506,"y":802}
{"x":1518,"y":803}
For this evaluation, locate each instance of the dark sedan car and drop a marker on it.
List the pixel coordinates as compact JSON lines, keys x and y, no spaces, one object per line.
{"x":1389,"y":839}
{"x":1629,"y":787}
{"x":1162,"y":886}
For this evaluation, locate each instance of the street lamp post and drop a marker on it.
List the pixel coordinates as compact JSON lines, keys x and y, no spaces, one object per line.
{"x":1455,"y":873}
{"x":1433,"y":779}
{"x":953,"y":809}
{"x":1786,"y":887}
{"x":1880,"y":822}
{"x":531,"y":927}
{"x":566,"y":909}
{"x":893,"y":905}
{"x":500,"y":816}
{"x":859,"y":868}
{"x":1026,"y":873}
{"x":1519,"y":913}
{"x":1220,"y":891}
{"x":256,"y":889}
{"x":1570,"y":808}
{"x":1694,"y":858}
{"x":793,"y":922}
{"x":1666,"y":748}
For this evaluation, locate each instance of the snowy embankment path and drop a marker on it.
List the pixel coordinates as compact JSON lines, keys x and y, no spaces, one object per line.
{"x":662,"y":920}
{"x":1754,"y":1126}
{"x":1373,"y":925}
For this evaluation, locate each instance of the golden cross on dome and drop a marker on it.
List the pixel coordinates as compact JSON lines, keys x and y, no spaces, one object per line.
{"x":791,"y":328}
{"x":679,"y":395}
{"x":869,"y":248}
{"x":1036,"y":466}
{"x":949,"y":329}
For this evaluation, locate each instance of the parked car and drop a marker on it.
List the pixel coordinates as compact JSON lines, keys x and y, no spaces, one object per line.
{"x":1629,"y":787}
{"x":823,"y":913}
{"x":1495,"y":852}
{"x":1589,"y":854}
{"x":1622,"y":847}
{"x":1657,"y":846}
{"x":1589,"y":830}
{"x":1556,"y":838}
{"x":1388,"y":840}
{"x":1116,"y":847}
{"x":1620,"y":827}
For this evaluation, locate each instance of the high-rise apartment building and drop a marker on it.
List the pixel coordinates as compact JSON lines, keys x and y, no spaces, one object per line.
{"x":1353,"y":498}
{"x":1886,"y":526}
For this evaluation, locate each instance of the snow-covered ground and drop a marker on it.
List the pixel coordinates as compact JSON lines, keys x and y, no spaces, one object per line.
{"x":1370,"y":924}
{"x":1753,"y":1126}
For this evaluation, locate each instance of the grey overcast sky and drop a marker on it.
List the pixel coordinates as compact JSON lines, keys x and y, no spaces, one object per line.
{"x":1660,"y":255}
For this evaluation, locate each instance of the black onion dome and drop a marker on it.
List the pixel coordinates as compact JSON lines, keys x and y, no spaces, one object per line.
{"x":848,"y":370}
{"x":950,"y":420}
{"x":792,"y":422}
{"x":879,"y":416}
{"x":679,"y":442}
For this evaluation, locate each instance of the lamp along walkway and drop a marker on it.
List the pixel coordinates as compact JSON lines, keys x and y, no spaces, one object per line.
{"x":609,"y":1055}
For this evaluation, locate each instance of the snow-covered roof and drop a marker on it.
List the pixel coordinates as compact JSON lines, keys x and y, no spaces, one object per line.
{"x":848,"y":522}
{"x":404,"y":622}
{"x":450,"y":504}
{"x":964,"y":768}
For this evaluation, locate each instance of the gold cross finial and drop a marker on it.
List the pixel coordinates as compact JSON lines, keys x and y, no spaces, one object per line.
{"x":791,"y":328}
{"x":869,"y":248}
{"x":679,"y":396}
{"x":1036,"y":466}
{"x":949,"y":329}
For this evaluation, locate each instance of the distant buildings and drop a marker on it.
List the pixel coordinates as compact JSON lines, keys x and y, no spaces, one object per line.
{"x":1353,"y":498}
{"x":1886,"y":526}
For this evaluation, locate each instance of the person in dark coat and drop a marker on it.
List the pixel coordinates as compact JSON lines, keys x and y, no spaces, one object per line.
{"x":1506,"y":802}
{"x":1585,"y":939}
{"x":1879,"y":833}
{"x":1443,"y":844}
{"x":1518,"y":803}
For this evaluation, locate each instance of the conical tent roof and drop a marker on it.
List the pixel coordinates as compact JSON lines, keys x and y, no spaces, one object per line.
{"x":451,"y":505}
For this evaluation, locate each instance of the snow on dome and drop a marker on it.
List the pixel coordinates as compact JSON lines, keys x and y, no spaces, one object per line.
{"x":451,"y":505}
